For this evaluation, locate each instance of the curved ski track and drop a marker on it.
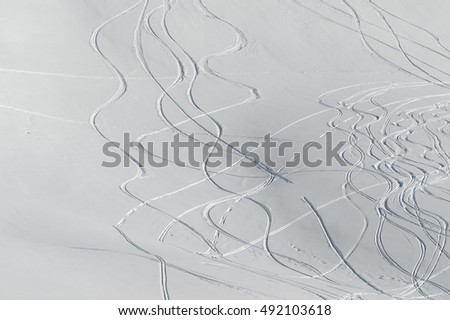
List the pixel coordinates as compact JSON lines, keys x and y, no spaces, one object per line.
{"x":381,"y":135}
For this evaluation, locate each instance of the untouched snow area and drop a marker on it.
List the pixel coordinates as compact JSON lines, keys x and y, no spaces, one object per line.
{"x":77,"y":74}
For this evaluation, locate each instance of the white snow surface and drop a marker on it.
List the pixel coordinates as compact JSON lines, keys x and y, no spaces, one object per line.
{"x":77,"y":74}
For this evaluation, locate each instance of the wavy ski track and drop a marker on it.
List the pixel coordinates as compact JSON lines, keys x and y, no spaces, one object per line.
{"x":240,"y":43}
{"x":409,"y":189}
{"x":124,"y":187}
{"x":387,"y":153}
{"x":365,"y":37}
{"x":120,"y":92}
{"x":400,"y":37}
{"x":396,"y":160}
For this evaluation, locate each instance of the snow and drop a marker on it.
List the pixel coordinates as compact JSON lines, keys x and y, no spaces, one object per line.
{"x":77,"y":74}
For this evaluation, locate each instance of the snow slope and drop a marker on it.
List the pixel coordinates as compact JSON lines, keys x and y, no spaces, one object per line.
{"x":77,"y":74}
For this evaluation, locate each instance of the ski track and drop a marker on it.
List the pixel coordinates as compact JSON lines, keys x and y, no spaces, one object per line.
{"x":381,"y":143}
